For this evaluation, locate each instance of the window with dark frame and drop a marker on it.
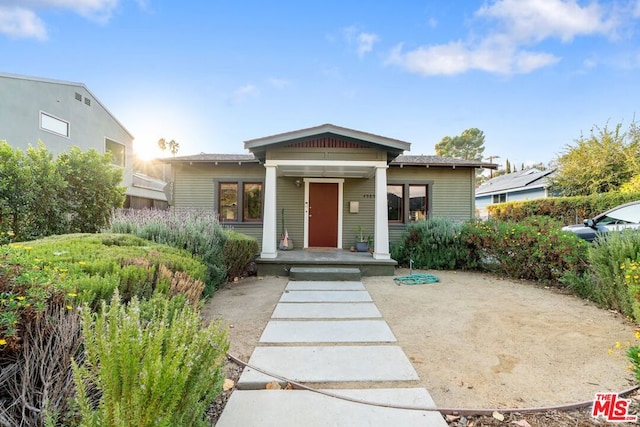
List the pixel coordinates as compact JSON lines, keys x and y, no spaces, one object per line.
{"x":395,"y":202}
{"x":252,"y":206}
{"x":500,"y":198}
{"x":417,"y":202}
{"x":228,"y":200}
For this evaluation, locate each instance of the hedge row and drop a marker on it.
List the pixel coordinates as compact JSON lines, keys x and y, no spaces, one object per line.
{"x":567,"y":210}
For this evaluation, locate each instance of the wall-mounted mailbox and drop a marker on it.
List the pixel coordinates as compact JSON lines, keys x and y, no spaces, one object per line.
{"x":354,"y":206}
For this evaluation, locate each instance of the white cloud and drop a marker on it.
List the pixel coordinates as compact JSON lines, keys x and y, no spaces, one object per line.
{"x":21,"y":23}
{"x":535,"y":20}
{"x":362,"y":42}
{"x":519,"y":26}
{"x":241,"y":94}
{"x":19,"y":18}
{"x":365,"y":43}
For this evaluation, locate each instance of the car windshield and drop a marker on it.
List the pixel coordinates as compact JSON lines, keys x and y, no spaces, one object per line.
{"x":626,"y":215}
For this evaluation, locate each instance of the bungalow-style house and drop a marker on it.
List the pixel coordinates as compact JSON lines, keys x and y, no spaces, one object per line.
{"x":320,"y":185}
{"x":527,"y":184}
{"x":63,"y":114}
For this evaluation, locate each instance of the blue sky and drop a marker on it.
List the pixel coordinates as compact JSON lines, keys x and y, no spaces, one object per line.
{"x":533,"y":75}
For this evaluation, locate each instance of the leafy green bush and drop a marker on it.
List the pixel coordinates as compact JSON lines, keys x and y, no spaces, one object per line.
{"x":162,"y":371}
{"x":197,"y":232}
{"x":239,"y":251}
{"x":567,"y":210}
{"x":607,"y":258}
{"x":534,"y":249}
{"x":433,"y":243}
{"x":40,"y":196}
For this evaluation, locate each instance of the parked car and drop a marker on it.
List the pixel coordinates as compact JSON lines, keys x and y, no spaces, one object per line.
{"x":621,"y":217}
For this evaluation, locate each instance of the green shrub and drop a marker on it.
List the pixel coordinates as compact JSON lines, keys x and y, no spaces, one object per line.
{"x":534,"y":249}
{"x":239,"y":251}
{"x":197,"y":232}
{"x":433,"y":243}
{"x":162,"y":371}
{"x":607,"y":257}
{"x":567,"y":210}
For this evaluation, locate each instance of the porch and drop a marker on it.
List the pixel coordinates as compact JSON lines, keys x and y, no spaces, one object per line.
{"x":327,"y":258}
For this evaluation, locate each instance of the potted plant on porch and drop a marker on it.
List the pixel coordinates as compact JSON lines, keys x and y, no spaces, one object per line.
{"x":362,"y":243}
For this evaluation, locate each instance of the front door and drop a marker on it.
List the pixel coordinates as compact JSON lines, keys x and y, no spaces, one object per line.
{"x":323,"y":214}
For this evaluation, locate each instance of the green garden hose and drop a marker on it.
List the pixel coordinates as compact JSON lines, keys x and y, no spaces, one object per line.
{"x":416,"y":279}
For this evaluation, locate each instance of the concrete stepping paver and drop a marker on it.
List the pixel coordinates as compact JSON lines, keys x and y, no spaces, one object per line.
{"x":293,"y":408}
{"x":324,"y":286}
{"x":325,"y":331}
{"x":328,"y":364}
{"x":326,"y":296}
{"x":326,"y":310}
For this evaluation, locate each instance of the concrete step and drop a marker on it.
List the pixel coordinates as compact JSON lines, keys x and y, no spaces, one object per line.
{"x":328,"y":364}
{"x":310,"y":285}
{"x":327,"y":331}
{"x":326,"y":310}
{"x":325,"y":274}
{"x":294,"y":408}
{"x":325,"y":296}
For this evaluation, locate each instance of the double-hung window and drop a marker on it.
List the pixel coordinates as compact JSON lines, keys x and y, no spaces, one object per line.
{"x":407,"y":202}
{"x":240,"y":202}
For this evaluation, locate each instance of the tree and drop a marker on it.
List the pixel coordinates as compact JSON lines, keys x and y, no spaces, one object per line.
{"x":468,"y":146}
{"x":93,"y":189}
{"x":507,"y":167}
{"x":172,"y":146}
{"x":600,"y":163}
{"x":16,"y":192}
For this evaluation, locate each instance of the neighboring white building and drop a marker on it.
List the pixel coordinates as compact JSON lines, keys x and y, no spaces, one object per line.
{"x":63,"y":114}
{"x":524,"y":185}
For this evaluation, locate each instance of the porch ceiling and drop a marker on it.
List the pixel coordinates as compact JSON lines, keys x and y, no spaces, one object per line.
{"x":326,"y":171}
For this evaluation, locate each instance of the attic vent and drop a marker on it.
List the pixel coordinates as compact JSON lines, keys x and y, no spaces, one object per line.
{"x":87,"y":101}
{"x":78,"y":97}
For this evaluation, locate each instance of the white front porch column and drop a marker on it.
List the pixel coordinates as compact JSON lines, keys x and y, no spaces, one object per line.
{"x":381,"y":243}
{"x":269,"y":226}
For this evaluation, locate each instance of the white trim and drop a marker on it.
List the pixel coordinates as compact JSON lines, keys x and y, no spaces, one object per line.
{"x":340,"y":183}
{"x":269,"y":240}
{"x":381,"y":217}
{"x":337,"y":163}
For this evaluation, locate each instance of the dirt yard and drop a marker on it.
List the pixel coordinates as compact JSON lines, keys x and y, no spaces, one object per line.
{"x":476,"y":341}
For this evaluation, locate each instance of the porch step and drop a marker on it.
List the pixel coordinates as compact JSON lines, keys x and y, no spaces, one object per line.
{"x":341,"y":274}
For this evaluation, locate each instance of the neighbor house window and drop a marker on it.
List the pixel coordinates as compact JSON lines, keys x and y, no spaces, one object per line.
{"x":417,"y":202}
{"x":252,"y":206}
{"x":117,"y":150}
{"x":54,"y":125}
{"x":394,"y":202}
{"x":228,"y":201}
{"x":500,"y":198}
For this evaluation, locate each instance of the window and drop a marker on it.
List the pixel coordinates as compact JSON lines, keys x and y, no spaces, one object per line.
{"x":394,"y":202}
{"x":417,"y":202}
{"x":54,"y":125}
{"x":228,"y":201}
{"x":252,"y":207}
{"x":240,"y":201}
{"x":117,"y":150}
{"x":500,"y":198}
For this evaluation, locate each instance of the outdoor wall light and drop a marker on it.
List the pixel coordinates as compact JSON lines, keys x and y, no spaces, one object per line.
{"x":298,"y":182}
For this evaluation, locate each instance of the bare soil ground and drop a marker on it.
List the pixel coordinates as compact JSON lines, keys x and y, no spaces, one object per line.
{"x":476,"y":341}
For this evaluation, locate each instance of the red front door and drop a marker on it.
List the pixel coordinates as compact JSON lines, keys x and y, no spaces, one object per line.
{"x":323,"y":214}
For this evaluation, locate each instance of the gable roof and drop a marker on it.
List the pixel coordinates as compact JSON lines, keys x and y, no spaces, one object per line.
{"x":427,"y":160}
{"x":67,"y":83}
{"x":394,"y":147}
{"x":527,"y":179}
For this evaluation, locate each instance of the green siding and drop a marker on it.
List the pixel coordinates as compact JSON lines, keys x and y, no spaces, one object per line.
{"x":362,"y":191}
{"x":290,"y":199}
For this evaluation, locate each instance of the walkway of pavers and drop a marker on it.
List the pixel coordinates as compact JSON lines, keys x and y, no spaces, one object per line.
{"x":328,"y":332}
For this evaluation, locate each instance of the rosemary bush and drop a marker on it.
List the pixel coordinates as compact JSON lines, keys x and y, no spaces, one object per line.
{"x":160,"y":368}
